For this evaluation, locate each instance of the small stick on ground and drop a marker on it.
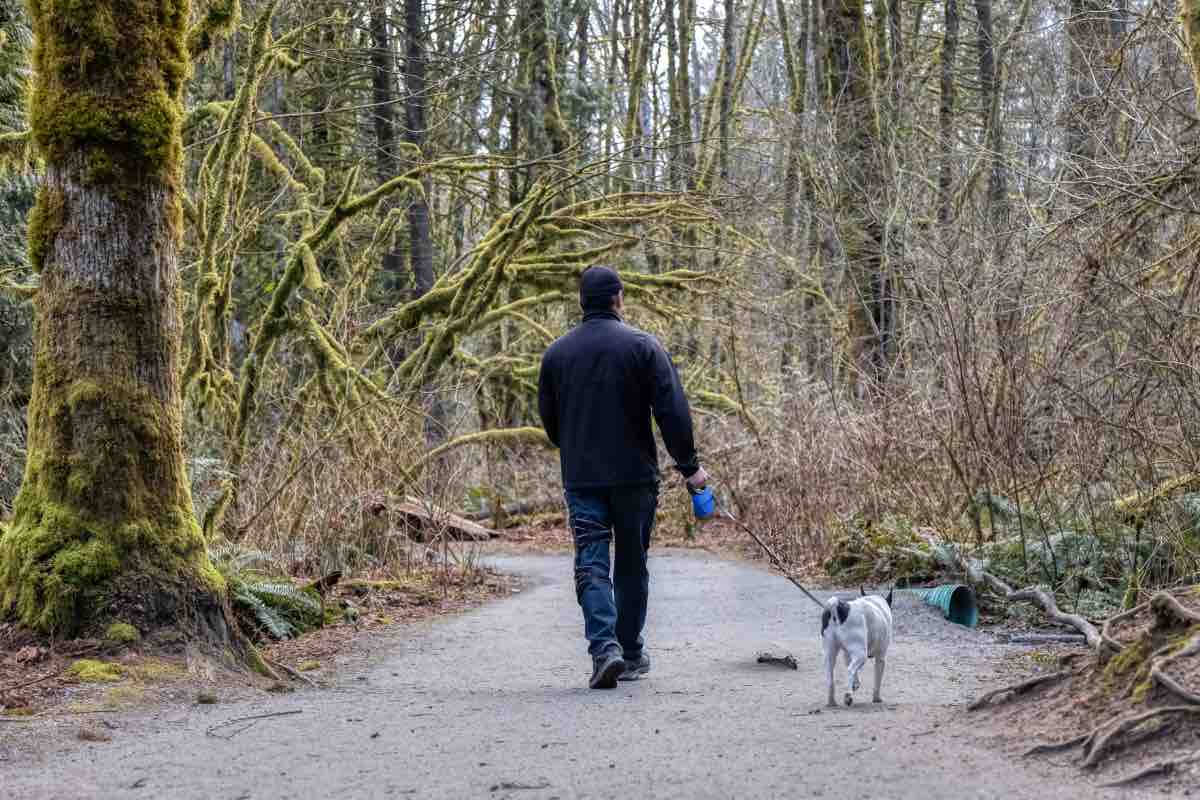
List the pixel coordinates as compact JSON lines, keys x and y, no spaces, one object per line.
{"x":787,"y":660}
{"x":1017,"y":689}
{"x":251,"y":719}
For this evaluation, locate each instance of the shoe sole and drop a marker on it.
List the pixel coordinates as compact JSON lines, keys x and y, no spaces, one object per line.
{"x":632,"y":675}
{"x":607,"y":679}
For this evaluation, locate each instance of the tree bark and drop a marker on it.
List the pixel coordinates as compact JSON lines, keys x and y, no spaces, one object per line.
{"x":870,"y":310}
{"x":383,"y":93}
{"x":946,"y":106}
{"x":1089,"y":43}
{"x":420,"y":247}
{"x":989,"y":84}
{"x":104,"y":527}
{"x":796,"y":65}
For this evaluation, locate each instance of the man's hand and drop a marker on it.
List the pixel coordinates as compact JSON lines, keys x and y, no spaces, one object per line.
{"x":698,"y":480}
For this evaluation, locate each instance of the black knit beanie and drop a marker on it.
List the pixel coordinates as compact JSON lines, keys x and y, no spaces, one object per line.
{"x":597,"y":286}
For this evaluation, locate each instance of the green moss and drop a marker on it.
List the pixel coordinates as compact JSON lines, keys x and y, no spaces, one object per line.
{"x":308,"y":665}
{"x":108,"y":84}
{"x":1132,"y":658}
{"x":45,"y":220}
{"x":152,"y":670}
{"x":122,"y":633}
{"x":220,"y":18}
{"x":87,"y":670}
{"x":120,"y":697}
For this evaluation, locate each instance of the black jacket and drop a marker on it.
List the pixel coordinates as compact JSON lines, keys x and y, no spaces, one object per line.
{"x":597,"y":388}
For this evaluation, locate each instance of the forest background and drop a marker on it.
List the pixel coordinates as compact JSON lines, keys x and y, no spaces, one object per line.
{"x":928,"y":269}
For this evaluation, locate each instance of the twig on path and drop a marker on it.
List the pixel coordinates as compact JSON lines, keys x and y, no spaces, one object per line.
{"x":253,"y":720}
{"x":513,"y":786}
{"x":787,"y":660}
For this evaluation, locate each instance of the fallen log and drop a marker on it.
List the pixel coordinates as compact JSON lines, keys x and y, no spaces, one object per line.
{"x":429,"y":519}
{"x":534,"y":506}
{"x":425,"y":521}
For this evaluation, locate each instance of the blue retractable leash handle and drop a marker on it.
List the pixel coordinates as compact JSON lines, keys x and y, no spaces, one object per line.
{"x":704,"y":506}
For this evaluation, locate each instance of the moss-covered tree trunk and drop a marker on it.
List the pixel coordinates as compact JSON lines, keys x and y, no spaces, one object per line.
{"x":870,"y":312}
{"x":103,"y":526}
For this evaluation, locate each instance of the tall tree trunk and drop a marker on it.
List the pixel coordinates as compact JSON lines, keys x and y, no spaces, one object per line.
{"x":104,"y":527}
{"x":1089,"y":43}
{"x":989,"y":87}
{"x":795,"y":60}
{"x":946,"y":104}
{"x":420,"y":246}
{"x":383,"y":93}
{"x":870,"y":311}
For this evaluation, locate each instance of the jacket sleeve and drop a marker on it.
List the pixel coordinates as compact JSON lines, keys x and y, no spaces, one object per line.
{"x":548,"y":400}
{"x":671,"y":412}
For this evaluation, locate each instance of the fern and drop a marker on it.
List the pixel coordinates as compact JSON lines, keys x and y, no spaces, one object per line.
{"x":266,"y":617}
{"x":233,"y":560}
{"x":280,"y":595}
{"x":273,"y":605}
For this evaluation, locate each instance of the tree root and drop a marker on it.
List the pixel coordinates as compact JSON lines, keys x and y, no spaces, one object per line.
{"x":1109,"y":646}
{"x":1158,"y":769}
{"x":1161,"y":678}
{"x":1167,"y":607}
{"x":299,"y":676}
{"x":1107,"y":736}
{"x":1056,"y":747}
{"x":1017,"y":689}
{"x":1032,"y":594}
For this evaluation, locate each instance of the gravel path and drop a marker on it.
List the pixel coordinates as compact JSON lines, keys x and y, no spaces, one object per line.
{"x":491,"y":704}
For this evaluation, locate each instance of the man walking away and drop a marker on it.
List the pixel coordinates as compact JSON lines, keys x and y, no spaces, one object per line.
{"x":597,"y":389}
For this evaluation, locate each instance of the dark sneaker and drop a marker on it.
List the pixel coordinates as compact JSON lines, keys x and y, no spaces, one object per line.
{"x":636,"y":668}
{"x":605,"y":670}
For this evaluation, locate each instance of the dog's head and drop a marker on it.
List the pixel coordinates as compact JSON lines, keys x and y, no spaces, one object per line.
{"x":835,"y":608}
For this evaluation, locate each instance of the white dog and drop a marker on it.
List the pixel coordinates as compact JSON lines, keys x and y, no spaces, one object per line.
{"x":862,"y":628}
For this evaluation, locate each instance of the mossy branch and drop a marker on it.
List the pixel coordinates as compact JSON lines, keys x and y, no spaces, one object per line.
{"x":1135,"y":507}
{"x":219,"y":19}
{"x":507,"y":436}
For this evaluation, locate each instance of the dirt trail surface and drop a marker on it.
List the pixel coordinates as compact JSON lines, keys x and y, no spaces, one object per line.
{"x":491,"y":704}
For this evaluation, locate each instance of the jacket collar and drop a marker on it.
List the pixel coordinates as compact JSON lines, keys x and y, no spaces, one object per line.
{"x":591,"y":315}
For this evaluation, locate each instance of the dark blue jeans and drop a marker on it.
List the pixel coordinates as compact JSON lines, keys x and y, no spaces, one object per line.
{"x":614,"y":608}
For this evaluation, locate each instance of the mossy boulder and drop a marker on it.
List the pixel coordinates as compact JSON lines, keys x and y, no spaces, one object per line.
{"x":122,"y":633}
{"x":87,"y":670}
{"x":882,"y":550}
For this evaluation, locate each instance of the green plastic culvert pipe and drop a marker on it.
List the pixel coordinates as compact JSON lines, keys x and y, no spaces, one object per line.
{"x":956,"y":602}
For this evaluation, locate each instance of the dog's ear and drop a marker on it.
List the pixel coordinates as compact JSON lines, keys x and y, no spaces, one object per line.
{"x":824,"y":621}
{"x":889,"y":597}
{"x":843,"y":611}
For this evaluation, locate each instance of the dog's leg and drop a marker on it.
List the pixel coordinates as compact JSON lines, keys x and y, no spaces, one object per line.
{"x":830,"y":664}
{"x":856,"y":664}
{"x":880,"y":662}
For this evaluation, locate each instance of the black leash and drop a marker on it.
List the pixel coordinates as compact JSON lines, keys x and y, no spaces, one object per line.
{"x":770,"y":554}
